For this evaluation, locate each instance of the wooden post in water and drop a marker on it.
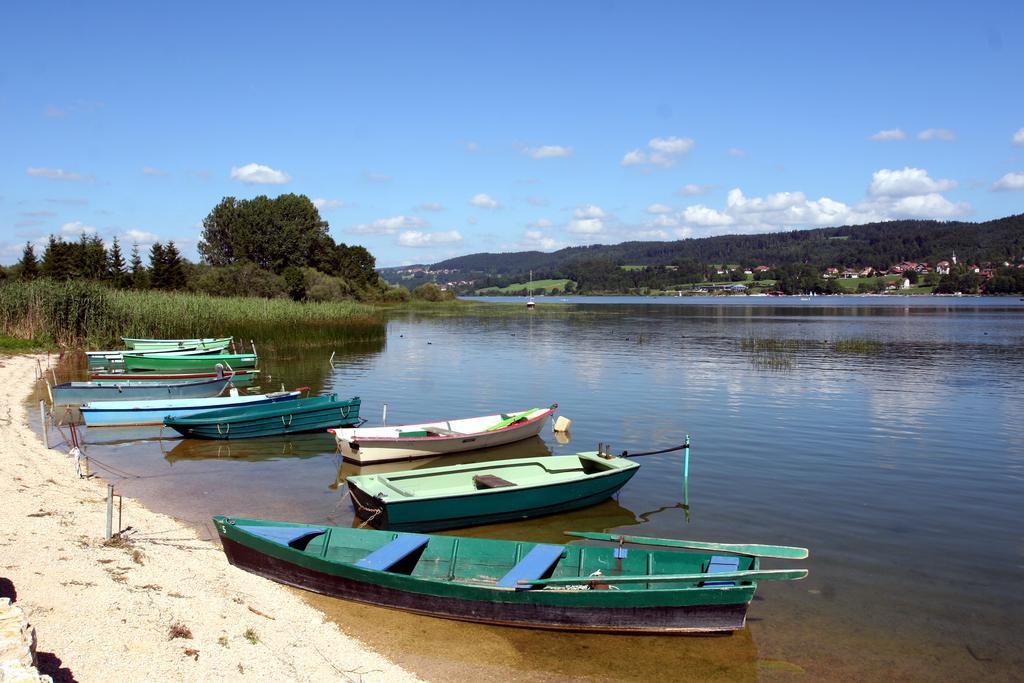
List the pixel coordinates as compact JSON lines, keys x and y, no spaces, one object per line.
{"x":110,"y":511}
{"x":42,"y":423}
{"x":384,"y":418}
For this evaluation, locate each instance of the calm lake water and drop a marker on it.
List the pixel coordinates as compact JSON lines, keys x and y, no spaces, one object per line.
{"x":885,"y":434}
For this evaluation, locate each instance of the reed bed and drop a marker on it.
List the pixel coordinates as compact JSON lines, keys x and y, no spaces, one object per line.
{"x":85,"y":314}
{"x":773,"y":345}
{"x":865,"y":346}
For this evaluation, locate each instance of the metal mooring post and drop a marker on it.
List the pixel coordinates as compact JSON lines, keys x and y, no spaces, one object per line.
{"x":384,"y":418}
{"x":42,"y":423}
{"x":110,"y":510}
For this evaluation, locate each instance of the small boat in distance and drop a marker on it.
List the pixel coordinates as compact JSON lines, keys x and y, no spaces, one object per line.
{"x":369,"y":445}
{"x":457,"y":496}
{"x":512,"y":583}
{"x":313,"y":414}
{"x":529,"y":302}
{"x":130,"y":413}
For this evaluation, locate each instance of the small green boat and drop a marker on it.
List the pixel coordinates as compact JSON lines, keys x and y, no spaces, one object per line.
{"x":483,"y":493}
{"x":202,"y":343}
{"x":509,"y":582}
{"x":314,"y":414}
{"x":178,"y":363}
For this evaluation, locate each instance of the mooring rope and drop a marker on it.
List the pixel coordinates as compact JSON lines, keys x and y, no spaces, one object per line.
{"x":680,"y":447}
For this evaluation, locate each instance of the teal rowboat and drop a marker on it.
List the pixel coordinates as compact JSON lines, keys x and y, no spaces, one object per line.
{"x":203,"y":343}
{"x":104,"y":359}
{"x":179,"y":363}
{"x":130,"y":413}
{"x":314,"y":414}
{"x":506,"y":582}
{"x":483,"y":493}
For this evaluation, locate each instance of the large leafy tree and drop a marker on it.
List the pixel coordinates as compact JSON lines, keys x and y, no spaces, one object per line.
{"x":272,"y":233}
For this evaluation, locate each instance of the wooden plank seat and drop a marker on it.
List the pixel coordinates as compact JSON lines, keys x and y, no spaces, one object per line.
{"x":490,"y":481}
{"x":538,"y":562}
{"x":285,"y":535}
{"x":387,"y":557}
{"x":722,"y":564}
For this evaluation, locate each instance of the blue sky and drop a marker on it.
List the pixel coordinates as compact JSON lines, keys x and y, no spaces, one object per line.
{"x":433,"y":129}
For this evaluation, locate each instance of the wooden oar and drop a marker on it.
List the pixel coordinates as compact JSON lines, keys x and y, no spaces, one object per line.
{"x":784,"y":552}
{"x":758,"y":575}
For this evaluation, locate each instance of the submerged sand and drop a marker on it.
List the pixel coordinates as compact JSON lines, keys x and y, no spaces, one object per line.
{"x":163,"y":604}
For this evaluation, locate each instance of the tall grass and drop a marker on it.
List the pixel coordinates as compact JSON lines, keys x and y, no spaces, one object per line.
{"x":84,"y":314}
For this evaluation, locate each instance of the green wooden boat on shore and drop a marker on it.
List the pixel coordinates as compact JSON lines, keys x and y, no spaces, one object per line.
{"x":483,"y":493}
{"x":179,"y":363}
{"x":315,"y":414}
{"x":573,"y":587}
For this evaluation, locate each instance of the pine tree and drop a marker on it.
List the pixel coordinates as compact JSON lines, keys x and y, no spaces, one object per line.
{"x":29,"y":264}
{"x":58,"y":260}
{"x":115,"y":265}
{"x":157,"y":266}
{"x":139,"y":276}
{"x":174,"y":267}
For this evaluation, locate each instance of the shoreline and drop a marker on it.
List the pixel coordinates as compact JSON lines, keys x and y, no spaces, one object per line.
{"x":160,"y":604}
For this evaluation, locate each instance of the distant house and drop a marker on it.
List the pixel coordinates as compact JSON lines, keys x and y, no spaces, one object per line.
{"x":905,"y":283}
{"x":850,"y":274}
{"x":942,"y":267}
{"x":831,"y":272}
{"x":867,"y":272}
{"x":761,"y":269}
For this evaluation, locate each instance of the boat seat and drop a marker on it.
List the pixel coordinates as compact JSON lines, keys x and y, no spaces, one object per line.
{"x":285,"y":535}
{"x":538,"y":562}
{"x":490,"y":481}
{"x":387,"y":557}
{"x":441,"y":431}
{"x":721,"y":564}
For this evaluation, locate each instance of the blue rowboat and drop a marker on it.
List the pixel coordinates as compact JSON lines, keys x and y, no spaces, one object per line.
{"x":486,"y":492}
{"x":292,"y":417}
{"x":77,"y":393}
{"x":125,"y":413}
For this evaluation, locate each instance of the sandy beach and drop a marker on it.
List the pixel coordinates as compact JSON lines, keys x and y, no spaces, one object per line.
{"x":161,"y":604}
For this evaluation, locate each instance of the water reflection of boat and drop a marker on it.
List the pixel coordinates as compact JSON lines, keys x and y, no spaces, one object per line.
{"x":295,"y":446}
{"x":529,"y":448}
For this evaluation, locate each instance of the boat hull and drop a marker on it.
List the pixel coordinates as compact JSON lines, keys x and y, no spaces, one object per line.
{"x":293,"y":417}
{"x":489,"y":506}
{"x":77,"y":393}
{"x":240,"y":378}
{"x":204,"y":343}
{"x":197,"y":363}
{"x":610,"y":611}
{"x":364,"y":451}
{"x":100,"y":415}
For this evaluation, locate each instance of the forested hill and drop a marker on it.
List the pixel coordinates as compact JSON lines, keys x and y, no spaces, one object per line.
{"x":873,"y":244}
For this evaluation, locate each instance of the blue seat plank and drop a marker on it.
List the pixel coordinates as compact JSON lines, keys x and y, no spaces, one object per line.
{"x":387,"y":556}
{"x":285,"y":535}
{"x":721,"y":564}
{"x":537,"y":562}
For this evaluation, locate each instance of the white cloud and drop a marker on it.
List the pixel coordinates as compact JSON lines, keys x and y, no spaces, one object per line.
{"x":484,"y":201}
{"x":936,"y":134}
{"x":1018,"y":138}
{"x":431,"y":206}
{"x":1010,"y":181}
{"x":658,"y":208}
{"x":57,"y":174}
{"x":588,"y":219}
{"x":664,"y":152}
{"x":376,"y":177}
{"x":389,"y":226}
{"x":536,"y":201}
{"x":77,"y":228}
{"x":258,"y":174}
{"x":322,"y":204}
{"x":151,"y":171}
{"x":888,"y":135}
{"x":906,"y":182}
{"x":471,"y":220}
{"x":548,"y":152}
{"x":932,"y":205}
{"x":650,"y":235}
{"x":736,"y":152}
{"x":693,"y":190}
{"x":541,"y":223}
{"x":703,"y":216}
{"x":417,"y":238}
{"x":536,"y":239}
{"x":140,"y":237}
